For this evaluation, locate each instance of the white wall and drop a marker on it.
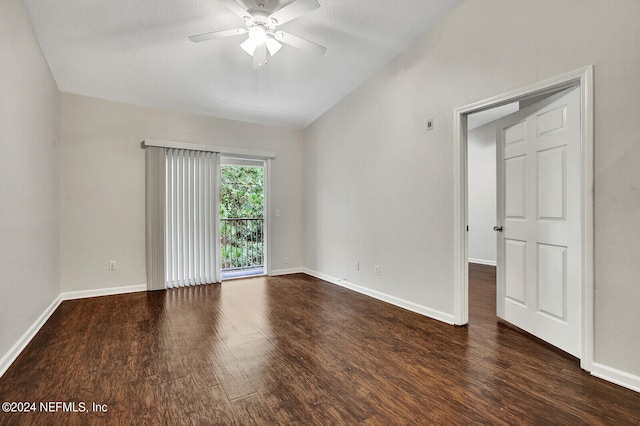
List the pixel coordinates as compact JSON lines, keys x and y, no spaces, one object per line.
{"x":102,"y":202}
{"x":481,"y":149}
{"x":28,"y":177}
{"x":379,"y":188}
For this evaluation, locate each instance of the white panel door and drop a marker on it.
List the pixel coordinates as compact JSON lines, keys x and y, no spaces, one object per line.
{"x":539,"y":275}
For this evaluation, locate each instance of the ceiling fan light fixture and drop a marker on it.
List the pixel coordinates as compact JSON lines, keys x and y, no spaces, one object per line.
{"x":273,"y":46}
{"x":249,"y":46}
{"x":258,"y":34}
{"x":261,"y":23}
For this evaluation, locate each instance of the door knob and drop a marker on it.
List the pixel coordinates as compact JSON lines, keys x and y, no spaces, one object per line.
{"x":497,"y":228}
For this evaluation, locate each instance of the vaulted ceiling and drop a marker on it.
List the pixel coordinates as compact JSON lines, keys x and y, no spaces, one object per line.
{"x":138,"y":52}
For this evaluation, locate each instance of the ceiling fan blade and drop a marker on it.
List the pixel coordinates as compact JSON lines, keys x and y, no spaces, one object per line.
{"x":293,"y":10}
{"x":217,"y":34}
{"x":260,"y":57}
{"x":300,"y":43}
{"x":235,"y":8}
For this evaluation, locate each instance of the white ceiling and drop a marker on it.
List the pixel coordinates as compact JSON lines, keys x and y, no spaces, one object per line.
{"x":137,"y":51}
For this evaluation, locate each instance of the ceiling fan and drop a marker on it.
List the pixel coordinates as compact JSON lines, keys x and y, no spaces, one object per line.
{"x":264,"y":39}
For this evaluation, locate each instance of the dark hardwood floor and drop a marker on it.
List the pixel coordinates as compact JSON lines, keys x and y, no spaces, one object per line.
{"x":297,"y":350}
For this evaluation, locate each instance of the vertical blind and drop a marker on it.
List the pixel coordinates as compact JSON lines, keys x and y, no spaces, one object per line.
{"x":155,"y":159}
{"x":192,"y":252}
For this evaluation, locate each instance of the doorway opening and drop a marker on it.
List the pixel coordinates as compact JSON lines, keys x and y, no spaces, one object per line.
{"x":481,"y":186}
{"x":582,"y":78}
{"x":242,"y":217}
{"x":482,"y":207}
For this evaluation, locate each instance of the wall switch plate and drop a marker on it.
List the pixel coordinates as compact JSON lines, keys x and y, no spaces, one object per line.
{"x":112,"y":265}
{"x":277,"y":212}
{"x":286,"y":260}
{"x":357,"y":266}
{"x":376,"y":269}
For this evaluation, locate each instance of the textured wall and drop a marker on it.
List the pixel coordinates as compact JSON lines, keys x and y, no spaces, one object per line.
{"x":102,"y":185}
{"x":481,"y":148}
{"x":379,"y":188}
{"x":28,"y":177}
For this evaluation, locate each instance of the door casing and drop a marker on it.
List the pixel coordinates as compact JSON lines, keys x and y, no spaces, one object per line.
{"x":265,"y":163}
{"x":584,"y":78}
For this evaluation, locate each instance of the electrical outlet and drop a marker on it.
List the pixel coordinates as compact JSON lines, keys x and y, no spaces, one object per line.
{"x":112,"y":265}
{"x":376,"y":270}
{"x":357,"y":266}
{"x":286,"y":260}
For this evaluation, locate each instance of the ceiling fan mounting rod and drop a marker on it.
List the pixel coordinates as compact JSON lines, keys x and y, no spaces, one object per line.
{"x":260,"y":16}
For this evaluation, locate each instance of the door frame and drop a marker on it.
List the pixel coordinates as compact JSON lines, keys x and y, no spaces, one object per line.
{"x":266,"y":166}
{"x":582,"y":77}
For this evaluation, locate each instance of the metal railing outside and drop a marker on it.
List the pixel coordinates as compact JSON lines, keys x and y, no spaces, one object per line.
{"x":242,"y":245}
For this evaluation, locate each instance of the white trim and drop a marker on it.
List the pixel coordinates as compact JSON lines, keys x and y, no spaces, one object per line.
{"x":601,"y":371}
{"x":613,"y":375}
{"x":588,"y":224}
{"x":85,"y":294}
{"x":226,"y":150}
{"x":402,"y":303}
{"x":483,"y":262}
{"x":216,"y":221}
{"x":265,"y":163}
{"x":267,"y":216}
{"x":289,"y":271}
{"x":584,"y":77}
{"x":26,"y":338}
{"x":230,"y":160}
{"x":241,"y":277}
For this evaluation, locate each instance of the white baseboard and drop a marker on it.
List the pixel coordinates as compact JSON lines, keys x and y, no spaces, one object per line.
{"x":24,"y":340}
{"x":286,"y":272}
{"x":18,"y":347}
{"x":405,"y":304}
{"x":84,"y":294}
{"x":619,"y":377}
{"x":483,"y":262}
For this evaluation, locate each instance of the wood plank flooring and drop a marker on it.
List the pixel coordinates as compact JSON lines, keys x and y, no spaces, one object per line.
{"x":295,"y":350}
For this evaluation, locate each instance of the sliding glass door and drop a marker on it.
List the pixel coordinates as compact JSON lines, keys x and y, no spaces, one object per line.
{"x":242,"y":217}
{"x":205,"y":216}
